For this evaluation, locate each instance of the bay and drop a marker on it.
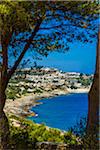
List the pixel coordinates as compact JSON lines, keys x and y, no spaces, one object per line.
{"x":61,"y":112}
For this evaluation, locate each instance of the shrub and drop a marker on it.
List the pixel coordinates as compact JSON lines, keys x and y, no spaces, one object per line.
{"x":25,"y":136}
{"x":89,"y":138}
{"x":38,"y":91}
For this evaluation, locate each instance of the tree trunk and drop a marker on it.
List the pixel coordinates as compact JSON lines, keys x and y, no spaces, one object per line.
{"x":93,"y":97}
{"x":4,"y":125}
{"x":4,"y":132}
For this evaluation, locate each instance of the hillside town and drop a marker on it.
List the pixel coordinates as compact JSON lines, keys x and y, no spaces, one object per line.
{"x":39,"y":80}
{"x":29,"y":85}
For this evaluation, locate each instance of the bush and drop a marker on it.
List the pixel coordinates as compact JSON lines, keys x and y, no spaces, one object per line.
{"x":89,"y":138}
{"x":12,"y":92}
{"x":25,"y":136}
{"x":38,"y":91}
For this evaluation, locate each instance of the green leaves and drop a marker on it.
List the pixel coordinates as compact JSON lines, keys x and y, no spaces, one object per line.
{"x":29,"y":133}
{"x":60,"y":24}
{"x":4,"y":9}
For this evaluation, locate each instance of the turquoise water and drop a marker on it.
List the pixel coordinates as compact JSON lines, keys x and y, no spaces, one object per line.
{"x":61,"y":112}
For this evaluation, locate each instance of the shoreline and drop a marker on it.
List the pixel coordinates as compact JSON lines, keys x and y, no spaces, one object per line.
{"x":21,"y":107}
{"x":83,"y":90}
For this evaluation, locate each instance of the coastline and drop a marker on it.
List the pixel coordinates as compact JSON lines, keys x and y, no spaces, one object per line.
{"x":82,"y":90}
{"x":21,"y":107}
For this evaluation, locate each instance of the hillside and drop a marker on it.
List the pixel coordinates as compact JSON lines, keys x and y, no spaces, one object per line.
{"x":42,"y":80}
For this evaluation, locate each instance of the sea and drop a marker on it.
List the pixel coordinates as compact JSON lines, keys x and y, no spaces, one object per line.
{"x":62,"y":112}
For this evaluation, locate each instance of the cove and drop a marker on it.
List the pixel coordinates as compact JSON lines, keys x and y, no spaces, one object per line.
{"x":61,"y":112}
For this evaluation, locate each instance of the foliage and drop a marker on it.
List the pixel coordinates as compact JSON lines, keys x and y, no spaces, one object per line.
{"x":19,"y":25}
{"x":89,"y":138}
{"x":13,"y":92}
{"x":38,"y":90}
{"x":28,"y":133}
{"x":85,"y":82}
{"x":41,"y":26}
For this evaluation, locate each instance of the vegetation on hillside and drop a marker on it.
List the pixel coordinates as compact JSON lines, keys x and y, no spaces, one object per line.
{"x":25,"y":133}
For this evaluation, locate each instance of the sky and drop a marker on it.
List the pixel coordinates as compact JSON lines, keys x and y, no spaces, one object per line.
{"x":80,"y":58}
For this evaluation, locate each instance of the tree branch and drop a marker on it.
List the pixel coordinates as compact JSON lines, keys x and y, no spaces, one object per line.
{"x":10,"y":73}
{"x":61,"y":25}
{"x":73,"y":20}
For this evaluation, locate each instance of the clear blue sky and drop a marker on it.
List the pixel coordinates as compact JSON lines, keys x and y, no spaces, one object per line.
{"x":80,"y":58}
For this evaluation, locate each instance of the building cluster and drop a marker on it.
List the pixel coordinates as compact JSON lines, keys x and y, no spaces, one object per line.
{"x":47,"y":79}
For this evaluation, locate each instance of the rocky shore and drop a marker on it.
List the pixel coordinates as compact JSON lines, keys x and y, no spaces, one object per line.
{"x":24,"y":91}
{"x":21,"y":107}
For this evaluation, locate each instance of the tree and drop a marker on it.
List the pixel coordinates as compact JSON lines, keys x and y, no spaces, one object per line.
{"x":20,"y":31}
{"x":93,"y":111}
